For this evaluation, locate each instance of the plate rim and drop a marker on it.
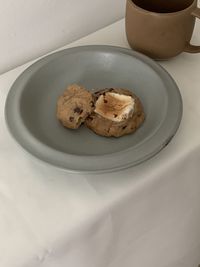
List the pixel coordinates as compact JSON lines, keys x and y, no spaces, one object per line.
{"x":28,"y":72}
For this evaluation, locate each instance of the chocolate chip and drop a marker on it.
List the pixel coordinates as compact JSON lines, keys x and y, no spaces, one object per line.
{"x":92,"y":104}
{"x":105,"y":101}
{"x":104,"y":93}
{"x":115,"y":115}
{"x":90,"y":118}
{"x":78,"y":110}
{"x":124,"y":127}
{"x":71,"y":119}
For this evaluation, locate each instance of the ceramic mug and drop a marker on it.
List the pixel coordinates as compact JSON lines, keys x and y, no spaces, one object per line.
{"x":161,"y":29}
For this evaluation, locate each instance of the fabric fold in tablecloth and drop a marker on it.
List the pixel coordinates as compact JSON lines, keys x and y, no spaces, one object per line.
{"x":153,"y":225}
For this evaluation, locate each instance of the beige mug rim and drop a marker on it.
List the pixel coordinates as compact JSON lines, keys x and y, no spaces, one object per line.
{"x":164,"y":14}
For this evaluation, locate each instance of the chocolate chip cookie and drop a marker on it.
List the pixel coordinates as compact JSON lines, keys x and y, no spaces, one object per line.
{"x":74,"y":106}
{"x":117,"y":112}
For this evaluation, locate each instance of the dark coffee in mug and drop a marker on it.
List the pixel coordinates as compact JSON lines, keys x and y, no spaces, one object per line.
{"x":163,"y":6}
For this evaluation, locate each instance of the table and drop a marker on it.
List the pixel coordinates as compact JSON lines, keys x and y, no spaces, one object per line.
{"x":147,"y":215}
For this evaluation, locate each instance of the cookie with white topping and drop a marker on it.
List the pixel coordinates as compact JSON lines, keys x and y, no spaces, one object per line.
{"x":117,"y":112}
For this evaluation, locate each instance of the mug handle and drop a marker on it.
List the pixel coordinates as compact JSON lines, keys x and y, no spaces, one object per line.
{"x":189,"y":47}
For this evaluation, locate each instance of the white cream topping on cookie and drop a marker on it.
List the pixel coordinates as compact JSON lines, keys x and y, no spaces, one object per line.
{"x":115,"y":107}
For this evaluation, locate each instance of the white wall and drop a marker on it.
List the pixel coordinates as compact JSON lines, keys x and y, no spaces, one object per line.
{"x":30,"y":28}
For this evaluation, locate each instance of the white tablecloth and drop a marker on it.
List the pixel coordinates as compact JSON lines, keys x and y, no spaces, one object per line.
{"x":147,"y":215}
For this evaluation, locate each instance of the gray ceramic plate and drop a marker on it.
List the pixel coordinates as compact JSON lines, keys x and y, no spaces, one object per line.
{"x":31,"y":107}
